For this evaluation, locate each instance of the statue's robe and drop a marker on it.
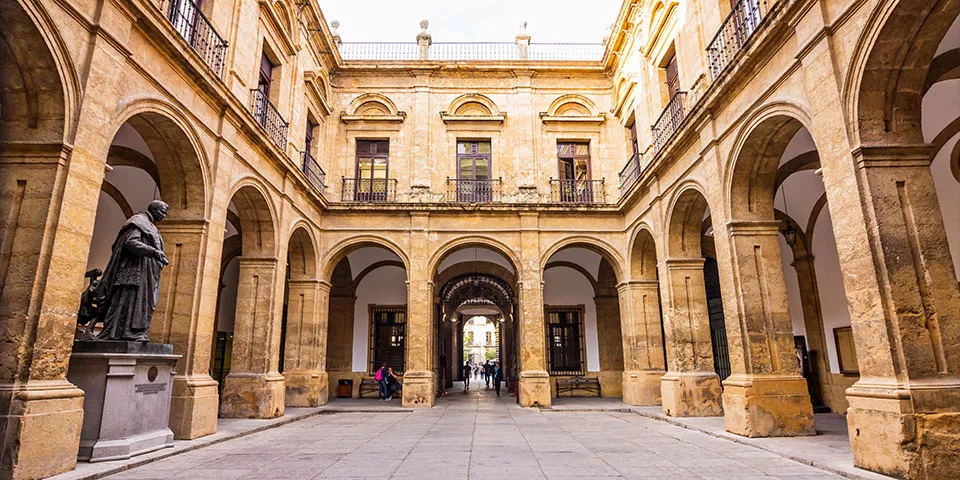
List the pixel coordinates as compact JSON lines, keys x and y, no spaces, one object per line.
{"x":130,"y":286}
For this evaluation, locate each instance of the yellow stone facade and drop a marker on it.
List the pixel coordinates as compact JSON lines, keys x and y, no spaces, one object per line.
{"x":698,"y":194}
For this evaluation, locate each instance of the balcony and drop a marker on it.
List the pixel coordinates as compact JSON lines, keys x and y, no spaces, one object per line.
{"x":369,"y":190}
{"x":474,"y":191}
{"x":474,"y":51}
{"x":193,"y":26}
{"x":670,"y":120}
{"x":737,"y":29}
{"x":315,"y":175}
{"x":630,"y":173}
{"x":269,"y":118}
{"x":581,"y":192}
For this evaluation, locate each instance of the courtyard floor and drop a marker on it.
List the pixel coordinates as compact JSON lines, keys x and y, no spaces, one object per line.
{"x":477,"y":435}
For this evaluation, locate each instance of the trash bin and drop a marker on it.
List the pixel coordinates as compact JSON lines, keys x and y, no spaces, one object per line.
{"x":345,"y":388}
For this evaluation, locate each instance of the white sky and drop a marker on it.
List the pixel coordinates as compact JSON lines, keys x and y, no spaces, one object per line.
{"x":548,"y":21}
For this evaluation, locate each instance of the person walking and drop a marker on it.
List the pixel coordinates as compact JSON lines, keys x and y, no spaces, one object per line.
{"x":487,"y":372}
{"x":381,"y":378}
{"x":466,"y":370}
{"x":497,"y":377}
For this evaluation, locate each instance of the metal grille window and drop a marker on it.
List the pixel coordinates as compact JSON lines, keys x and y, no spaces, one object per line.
{"x":565,"y":340}
{"x":388,"y":326}
{"x":473,"y":172}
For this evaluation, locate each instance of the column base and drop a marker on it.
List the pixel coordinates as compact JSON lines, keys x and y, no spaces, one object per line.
{"x":40,"y":428}
{"x":767,"y":406}
{"x":691,"y":394}
{"x":419,"y":389}
{"x":193,"y":406}
{"x":305,"y":388}
{"x":252,"y":395}
{"x":642,"y":387}
{"x":534,"y":389}
{"x":909,"y":433}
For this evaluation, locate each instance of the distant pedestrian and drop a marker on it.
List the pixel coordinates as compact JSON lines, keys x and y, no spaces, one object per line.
{"x":497,"y":376}
{"x":465,"y":370}
{"x":381,"y":378}
{"x":487,"y":372}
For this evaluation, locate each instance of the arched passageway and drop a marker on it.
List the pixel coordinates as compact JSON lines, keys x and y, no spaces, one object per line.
{"x":367,"y":315}
{"x":475,"y":281}
{"x":582,"y":317}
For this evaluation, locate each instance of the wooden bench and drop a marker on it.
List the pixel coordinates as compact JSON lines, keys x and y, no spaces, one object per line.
{"x":569,"y":384}
{"x":369,"y":385}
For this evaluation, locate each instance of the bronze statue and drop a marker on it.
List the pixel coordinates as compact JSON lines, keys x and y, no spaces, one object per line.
{"x":125,"y":297}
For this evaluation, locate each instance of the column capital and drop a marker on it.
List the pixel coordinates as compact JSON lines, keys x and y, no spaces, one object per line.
{"x":257,"y":261}
{"x":753,"y":228}
{"x":684,"y":263}
{"x":894,"y":156}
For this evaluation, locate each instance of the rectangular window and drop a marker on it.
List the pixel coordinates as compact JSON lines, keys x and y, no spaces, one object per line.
{"x":575,"y":185}
{"x":388,"y":325}
{"x":473,"y":171}
{"x":489,"y":339}
{"x":373,"y":160}
{"x":633,"y":139}
{"x":565,"y":340}
{"x":266,"y":75}
{"x":673,"y":76}
{"x":308,"y":140}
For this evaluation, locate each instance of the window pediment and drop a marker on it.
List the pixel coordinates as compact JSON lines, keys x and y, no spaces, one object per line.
{"x":473,"y":108}
{"x":573,"y":109}
{"x":372,"y":107}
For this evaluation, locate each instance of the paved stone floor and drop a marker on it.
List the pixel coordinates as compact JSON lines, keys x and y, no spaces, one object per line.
{"x":477,"y":435}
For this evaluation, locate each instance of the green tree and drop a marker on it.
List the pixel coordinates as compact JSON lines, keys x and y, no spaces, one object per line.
{"x":489,"y":354}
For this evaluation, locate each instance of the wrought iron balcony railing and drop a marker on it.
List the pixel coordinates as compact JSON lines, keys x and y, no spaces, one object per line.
{"x":578,"y":191}
{"x":669,"y":122}
{"x":630,"y":173}
{"x":474,"y":191}
{"x":269,"y":118}
{"x":193,"y":26}
{"x":744,"y":19}
{"x":369,"y":190}
{"x":478,"y":51}
{"x":315,"y":175}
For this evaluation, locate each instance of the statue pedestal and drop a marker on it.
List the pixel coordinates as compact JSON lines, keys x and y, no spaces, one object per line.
{"x":127,"y":388}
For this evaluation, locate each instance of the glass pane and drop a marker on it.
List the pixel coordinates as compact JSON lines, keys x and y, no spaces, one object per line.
{"x":380,"y":168}
{"x":581,"y":169}
{"x":482,"y":169}
{"x":484,"y":147}
{"x":581,"y":149}
{"x":563,"y":149}
{"x":466,"y":168}
{"x":462,"y":147}
{"x":364,"y":167}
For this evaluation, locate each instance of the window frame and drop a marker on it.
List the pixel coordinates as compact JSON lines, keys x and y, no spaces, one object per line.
{"x":580,"y":310}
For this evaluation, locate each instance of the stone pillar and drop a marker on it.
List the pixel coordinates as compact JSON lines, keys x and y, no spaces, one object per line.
{"x":642,"y":342}
{"x":765,"y":396}
{"x":182,"y":321}
{"x":523,"y":42}
{"x":424,"y":40}
{"x":38,"y":317}
{"x":610,"y":341}
{"x":904,"y":414}
{"x":813,"y":323}
{"x":304,"y":377}
{"x":691,"y":387}
{"x":534,"y":381}
{"x":419,"y":377}
{"x":253,"y":388}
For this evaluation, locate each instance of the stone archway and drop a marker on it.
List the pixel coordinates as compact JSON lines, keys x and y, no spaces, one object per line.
{"x":642,"y":325}
{"x":254,"y":388}
{"x":303,"y":336}
{"x":691,"y":386}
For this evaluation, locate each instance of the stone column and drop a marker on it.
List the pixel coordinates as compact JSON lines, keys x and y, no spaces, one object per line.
{"x":181,"y":320}
{"x":691,"y":387}
{"x":642,"y":342}
{"x":904,"y":414}
{"x":253,"y":388}
{"x":419,"y":377}
{"x":610,"y":341}
{"x":813,"y":323}
{"x":765,"y":396}
{"x":534,"y":384}
{"x":304,"y":377}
